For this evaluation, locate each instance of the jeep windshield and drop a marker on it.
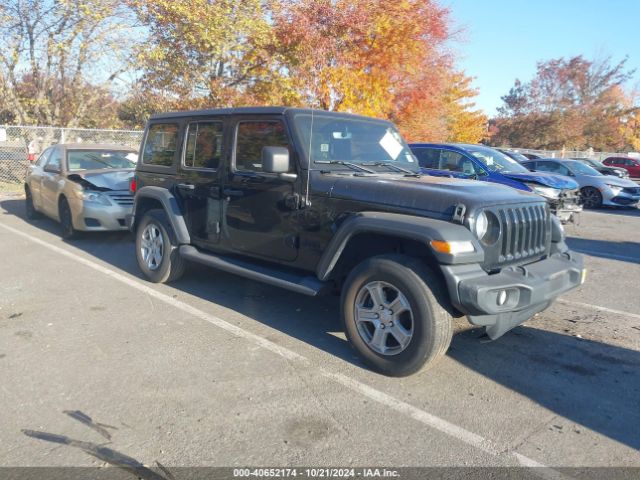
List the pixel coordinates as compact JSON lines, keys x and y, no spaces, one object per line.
{"x":339,"y":141}
{"x":495,"y":161}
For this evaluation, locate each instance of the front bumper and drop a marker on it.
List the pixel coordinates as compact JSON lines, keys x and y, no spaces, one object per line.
{"x":622,"y":199}
{"x":504,"y":300}
{"x":92,"y":217}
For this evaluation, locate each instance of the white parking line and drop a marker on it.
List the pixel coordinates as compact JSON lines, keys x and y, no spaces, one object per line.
{"x":378,"y":396}
{"x":598,"y":307}
{"x":612,"y":256}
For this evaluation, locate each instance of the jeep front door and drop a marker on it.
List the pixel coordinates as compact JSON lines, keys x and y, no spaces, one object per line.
{"x":260,"y":207}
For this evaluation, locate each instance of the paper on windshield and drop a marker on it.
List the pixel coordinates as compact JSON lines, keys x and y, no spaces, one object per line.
{"x":132,"y":156}
{"x":392,"y":146}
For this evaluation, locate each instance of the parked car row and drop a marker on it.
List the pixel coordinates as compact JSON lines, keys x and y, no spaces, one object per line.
{"x":320,"y":202}
{"x":490,"y":165}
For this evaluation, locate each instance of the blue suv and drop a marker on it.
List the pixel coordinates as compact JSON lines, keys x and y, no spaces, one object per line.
{"x":489,"y":165}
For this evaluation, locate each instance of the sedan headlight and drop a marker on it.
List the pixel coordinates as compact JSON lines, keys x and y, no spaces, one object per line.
{"x":94,"y":197}
{"x":546,"y":192}
{"x":615,"y":189}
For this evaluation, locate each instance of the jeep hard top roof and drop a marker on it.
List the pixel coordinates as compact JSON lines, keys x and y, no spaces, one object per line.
{"x":255,"y":111}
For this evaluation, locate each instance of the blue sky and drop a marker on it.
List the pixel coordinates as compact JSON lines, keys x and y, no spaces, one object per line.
{"x":502,"y":40}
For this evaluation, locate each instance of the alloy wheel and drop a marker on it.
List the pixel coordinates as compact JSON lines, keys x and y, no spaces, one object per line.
{"x":384,"y":318}
{"x":152,"y":246}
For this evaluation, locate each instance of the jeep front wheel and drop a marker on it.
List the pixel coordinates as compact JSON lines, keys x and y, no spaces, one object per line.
{"x":157,"y":249}
{"x":393,"y":309}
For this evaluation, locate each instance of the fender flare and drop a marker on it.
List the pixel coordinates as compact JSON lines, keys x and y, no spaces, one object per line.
{"x":410,"y":227}
{"x":170,"y":206}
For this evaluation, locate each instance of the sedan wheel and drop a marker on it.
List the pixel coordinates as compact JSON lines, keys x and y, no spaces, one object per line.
{"x":591,"y":197}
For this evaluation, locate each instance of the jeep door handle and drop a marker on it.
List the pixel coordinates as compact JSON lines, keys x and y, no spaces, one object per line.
{"x":232,"y":193}
{"x":186,"y":186}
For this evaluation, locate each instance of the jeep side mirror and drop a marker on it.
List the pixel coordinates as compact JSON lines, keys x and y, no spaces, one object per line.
{"x":276,"y":160}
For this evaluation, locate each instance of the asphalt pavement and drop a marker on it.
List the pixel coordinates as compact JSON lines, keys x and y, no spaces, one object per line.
{"x":216,"y":370}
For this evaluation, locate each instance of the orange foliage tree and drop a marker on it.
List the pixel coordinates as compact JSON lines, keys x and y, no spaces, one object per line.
{"x":372,"y":57}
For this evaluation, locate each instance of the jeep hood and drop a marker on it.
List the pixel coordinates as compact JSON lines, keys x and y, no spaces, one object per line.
{"x":103,"y":179}
{"x":546,"y":179}
{"x":436,"y":195}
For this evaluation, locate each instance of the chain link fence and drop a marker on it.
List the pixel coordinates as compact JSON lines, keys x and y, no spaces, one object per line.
{"x":19,"y":146}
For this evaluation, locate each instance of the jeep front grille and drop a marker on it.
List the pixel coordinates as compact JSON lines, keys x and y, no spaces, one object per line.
{"x":523,"y":232}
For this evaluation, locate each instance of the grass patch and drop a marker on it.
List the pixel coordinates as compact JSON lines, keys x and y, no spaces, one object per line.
{"x":6,"y":187}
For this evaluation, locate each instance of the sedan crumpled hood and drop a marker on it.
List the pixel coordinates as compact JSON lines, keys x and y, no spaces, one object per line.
{"x":546,"y":179}
{"x":104,"y":179}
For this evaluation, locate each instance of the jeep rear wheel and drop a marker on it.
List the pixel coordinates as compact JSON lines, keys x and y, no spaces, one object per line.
{"x":157,"y":249}
{"x":393,"y":309}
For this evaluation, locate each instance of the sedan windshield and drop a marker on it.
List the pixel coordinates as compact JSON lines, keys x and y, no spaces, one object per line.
{"x":494,"y":160}
{"x":580,"y":168}
{"x":97,"y":159}
{"x":342,"y":140}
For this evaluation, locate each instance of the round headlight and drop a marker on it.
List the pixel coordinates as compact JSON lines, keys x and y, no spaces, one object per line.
{"x":487,"y":228}
{"x":481,"y":226}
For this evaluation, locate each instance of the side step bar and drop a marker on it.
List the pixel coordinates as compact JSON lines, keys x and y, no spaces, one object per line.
{"x":306,"y":285}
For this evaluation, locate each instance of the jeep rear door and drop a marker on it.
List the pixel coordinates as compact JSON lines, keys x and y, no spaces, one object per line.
{"x":198,"y":181}
{"x":259,"y":212}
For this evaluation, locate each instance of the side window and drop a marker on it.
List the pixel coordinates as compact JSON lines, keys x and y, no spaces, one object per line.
{"x":55,"y":160}
{"x":44,"y":157}
{"x":250,"y":139}
{"x":427,"y":157}
{"x":532,"y":166}
{"x":160,"y":144}
{"x":551,"y":167}
{"x":456,"y":162}
{"x":204,"y":145}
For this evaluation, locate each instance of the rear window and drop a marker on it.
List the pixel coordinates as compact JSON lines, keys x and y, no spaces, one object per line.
{"x":160,"y":145}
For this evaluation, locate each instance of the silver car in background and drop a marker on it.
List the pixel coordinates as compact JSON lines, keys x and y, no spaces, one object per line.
{"x":596,"y":189}
{"x":83,"y":186}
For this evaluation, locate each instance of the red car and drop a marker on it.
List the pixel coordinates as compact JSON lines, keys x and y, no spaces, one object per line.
{"x":632,"y":165}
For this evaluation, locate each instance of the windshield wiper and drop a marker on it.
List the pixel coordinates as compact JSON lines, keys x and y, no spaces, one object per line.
{"x":348,"y":164}
{"x":391,"y":165}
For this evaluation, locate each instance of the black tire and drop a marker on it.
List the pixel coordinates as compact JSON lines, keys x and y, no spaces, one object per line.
{"x":30,"y":208}
{"x":432,"y":325}
{"x":171,"y":266}
{"x":591,"y":197}
{"x":66,"y":220}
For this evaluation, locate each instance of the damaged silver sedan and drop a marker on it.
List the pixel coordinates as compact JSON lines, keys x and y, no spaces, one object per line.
{"x":83,"y":186}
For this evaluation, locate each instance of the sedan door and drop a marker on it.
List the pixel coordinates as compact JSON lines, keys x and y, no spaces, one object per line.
{"x":35,"y":175}
{"x":633,"y":166}
{"x":52,"y":182}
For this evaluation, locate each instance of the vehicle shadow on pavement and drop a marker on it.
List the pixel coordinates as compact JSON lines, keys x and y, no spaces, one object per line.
{"x":611,"y":249}
{"x":314,"y":320}
{"x":593,"y":384}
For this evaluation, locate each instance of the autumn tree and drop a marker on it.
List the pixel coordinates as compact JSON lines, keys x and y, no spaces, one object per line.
{"x":59,"y":59}
{"x":202,"y":53}
{"x":570,"y":103}
{"x":379,"y":58}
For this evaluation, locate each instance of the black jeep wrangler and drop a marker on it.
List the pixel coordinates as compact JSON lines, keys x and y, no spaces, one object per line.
{"x":320,"y":202}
